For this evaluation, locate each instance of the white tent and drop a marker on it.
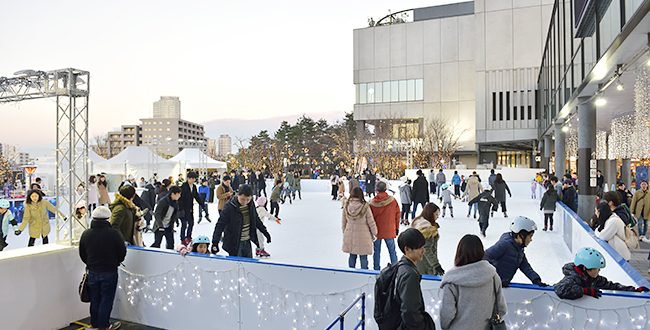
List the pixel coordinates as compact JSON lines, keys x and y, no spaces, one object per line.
{"x":192,"y":158}
{"x":94,"y":157}
{"x":139,"y":162}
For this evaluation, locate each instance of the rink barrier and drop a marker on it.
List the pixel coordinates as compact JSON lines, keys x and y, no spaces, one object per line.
{"x":574,"y":235}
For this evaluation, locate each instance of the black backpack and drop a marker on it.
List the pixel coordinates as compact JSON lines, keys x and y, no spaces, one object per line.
{"x":387,"y":306}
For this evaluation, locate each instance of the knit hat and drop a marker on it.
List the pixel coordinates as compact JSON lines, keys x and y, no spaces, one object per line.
{"x":260,"y":201}
{"x":101,"y":213}
{"x":80,"y":204}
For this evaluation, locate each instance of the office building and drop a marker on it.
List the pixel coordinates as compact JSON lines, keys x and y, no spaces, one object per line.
{"x":167,"y":107}
{"x":225,"y":145}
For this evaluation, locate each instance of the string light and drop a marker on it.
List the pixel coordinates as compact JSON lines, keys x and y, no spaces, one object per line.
{"x":601,"y":145}
{"x":621,"y":137}
{"x":642,"y":113}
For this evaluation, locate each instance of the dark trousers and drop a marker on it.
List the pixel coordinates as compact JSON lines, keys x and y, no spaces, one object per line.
{"x":168,"y":233}
{"x":415,"y":207}
{"x":32,"y":240}
{"x":275,"y":208}
{"x":405,"y":211}
{"x":101,"y":288}
{"x":91,"y":208}
{"x":187,"y":224}
{"x":261,"y":190}
{"x":432,"y":187}
{"x":203,"y":208}
{"x":294,"y":191}
{"x":335,"y":190}
{"x":3,"y":241}
{"x":244,"y":249}
{"x":503,"y":206}
{"x":548,"y":217}
{"x":483,"y":222}
{"x":456,"y":190}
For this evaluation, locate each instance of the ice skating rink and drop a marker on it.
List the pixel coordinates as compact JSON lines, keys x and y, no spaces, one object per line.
{"x":310,"y":233}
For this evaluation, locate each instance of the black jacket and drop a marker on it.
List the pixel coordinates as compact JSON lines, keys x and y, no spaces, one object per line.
{"x":162,"y":193}
{"x":625,"y":196}
{"x":149,"y":197}
{"x":570,"y":198}
{"x":101,"y":247}
{"x":571,"y":286}
{"x":187,"y":193}
{"x":261,"y":181}
{"x":420,"y":190}
{"x":500,"y":189}
{"x":371,"y":179}
{"x":409,"y":293}
{"x":230,"y":226}
{"x":485,"y":203}
{"x":161,"y":211}
{"x":548,"y":200}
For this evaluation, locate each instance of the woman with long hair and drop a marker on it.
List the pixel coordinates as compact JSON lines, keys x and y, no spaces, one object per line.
{"x":359,"y":228}
{"x":102,"y":188}
{"x":36,"y":217}
{"x":611,"y":229}
{"x":427,"y":225}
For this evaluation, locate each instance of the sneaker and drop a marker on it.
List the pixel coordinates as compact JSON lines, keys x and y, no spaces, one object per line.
{"x":115,"y":325}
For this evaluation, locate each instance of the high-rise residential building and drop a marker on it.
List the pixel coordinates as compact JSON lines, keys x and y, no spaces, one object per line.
{"x":167,"y":107}
{"x":128,"y":135}
{"x":24,"y":159}
{"x":169,"y":136}
{"x":212,"y":150}
{"x":225,"y":145}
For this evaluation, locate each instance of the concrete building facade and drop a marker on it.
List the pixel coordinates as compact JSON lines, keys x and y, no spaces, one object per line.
{"x":169,"y":136}
{"x":167,"y":107}
{"x":128,"y":135}
{"x":225,"y":145}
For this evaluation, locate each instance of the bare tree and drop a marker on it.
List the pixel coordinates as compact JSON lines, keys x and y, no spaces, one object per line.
{"x":101,"y":146}
{"x":441,"y":140}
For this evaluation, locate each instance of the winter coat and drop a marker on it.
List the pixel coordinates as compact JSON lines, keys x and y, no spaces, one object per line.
{"x":204,"y":192}
{"x":614,"y":235}
{"x":359,"y":228}
{"x":354,"y":183}
{"x":93,"y":194}
{"x":473,"y":188}
{"x":123,"y":217}
{"x":101,"y":247}
{"x":149,"y":197}
{"x":290,"y":180}
{"x":625,"y":196}
{"x":468,"y":296}
{"x":103,"y":193}
{"x":409,"y":294}
{"x":8,"y":219}
{"x":491,"y":179}
{"x":162,"y":193}
{"x":570,"y":198}
{"x":455,"y":180}
{"x":420,"y":190}
{"x":296,"y":183}
{"x":370,"y":183}
{"x":507,"y":256}
{"x":429,"y":263}
{"x":571,"y":286}
{"x":230,"y":225}
{"x":188,"y":193}
{"x":261,"y":181}
{"x":446,"y":195}
{"x":441,"y":178}
{"x":36,"y":216}
{"x":500,"y":189}
{"x":486,"y":203}
{"x":624,"y":213}
{"x":161,"y":211}
{"x":276,"y":193}
{"x":549,"y":201}
{"x":405,"y":194}
{"x":640,"y":206}
{"x":222,"y":196}
{"x":386,"y":213}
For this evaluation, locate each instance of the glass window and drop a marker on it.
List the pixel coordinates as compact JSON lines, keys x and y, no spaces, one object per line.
{"x":386,"y":91}
{"x":410,"y":90}
{"x":419,"y":89}
{"x":378,"y":92}
{"x":394,"y":91}
{"x":371,"y":92}
{"x":402,"y":90}
{"x":363,"y":93}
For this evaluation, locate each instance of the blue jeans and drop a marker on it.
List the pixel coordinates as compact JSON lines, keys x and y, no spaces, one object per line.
{"x":352,"y":261}
{"x":473,"y":206}
{"x":643,"y":226}
{"x":439,"y":184}
{"x":101,"y":288}
{"x":415,"y":208}
{"x":390,"y":244}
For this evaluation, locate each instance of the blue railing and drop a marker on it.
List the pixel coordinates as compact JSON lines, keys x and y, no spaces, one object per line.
{"x":341,"y":318}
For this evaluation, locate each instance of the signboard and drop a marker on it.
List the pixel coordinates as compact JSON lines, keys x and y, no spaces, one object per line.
{"x":641,"y":174}
{"x":592,"y":182}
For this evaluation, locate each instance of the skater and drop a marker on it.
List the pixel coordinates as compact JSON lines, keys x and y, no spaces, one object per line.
{"x":165,"y":216}
{"x":296,"y":186}
{"x":286,"y":192}
{"x":359,"y":229}
{"x":252,"y":181}
{"x":569,"y":195}
{"x":471,"y":291}
{"x":186,"y":206}
{"x":370,"y":183}
{"x":238,"y":224}
{"x":533,"y":189}
{"x":334,"y":182}
{"x":484,"y":202}
{"x":446,"y":200}
{"x":611,"y":229}
{"x":353,"y":182}
{"x":456,"y":181}
{"x":198,"y":245}
{"x":472,"y":190}
{"x":213,"y":181}
{"x":261,"y":184}
{"x":500,"y":187}
{"x":507,"y":255}
{"x":262,"y":213}
{"x":492,"y":178}
{"x":93,"y":194}
{"x":440,"y":180}
{"x":581,"y":277}
{"x":149,"y":196}
{"x":37,"y":218}
{"x":420,"y":192}
{"x":224,"y":193}
{"x":548,"y":204}
{"x":386,"y":213}
{"x":341,"y":188}
{"x":204,"y":193}
{"x":405,"y":197}
{"x":432,"y":182}
{"x":102,"y":188}
{"x":427,"y":225}
{"x":7,"y":219}
{"x":276,"y":197}
{"x":463,"y":185}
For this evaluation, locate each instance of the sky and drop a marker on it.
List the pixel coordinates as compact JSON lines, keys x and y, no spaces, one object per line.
{"x":224,"y":59}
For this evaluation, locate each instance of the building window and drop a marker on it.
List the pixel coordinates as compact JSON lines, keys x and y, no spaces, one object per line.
{"x":494,"y":106}
{"x":419,"y":89}
{"x":386,"y":91}
{"x":500,"y":105}
{"x":363,"y":94}
{"x":371,"y":93}
{"x":507,"y":105}
{"x":378,"y":92}
{"x":402,"y":90}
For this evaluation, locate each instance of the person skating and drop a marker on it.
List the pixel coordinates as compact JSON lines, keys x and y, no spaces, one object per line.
{"x":548,"y":205}
{"x":359,"y":229}
{"x":472,"y":190}
{"x":440,"y":180}
{"x":500,"y":187}
{"x":224,"y":193}
{"x":386,"y":213}
{"x":432,"y":181}
{"x":485,"y":203}
{"x":93,"y":194}
{"x":149,"y":196}
{"x":446,"y":200}
{"x":102,"y":189}
{"x":405,"y":198}
{"x":200,"y":245}
{"x":334,"y":182}
{"x":262,"y":213}
{"x":427,"y":225}
{"x":36,"y":217}
{"x":569,"y":195}
{"x":204,"y":193}
{"x":165,"y":216}
{"x":296,"y":187}
{"x":492,"y":178}
{"x":456,"y":181}
{"x":581,"y":277}
{"x":508,"y":254}
{"x":7,"y":218}
{"x":420,"y":192}
{"x":276,"y":197}
{"x":186,"y":206}
{"x":371,"y":180}
{"x":238,"y":223}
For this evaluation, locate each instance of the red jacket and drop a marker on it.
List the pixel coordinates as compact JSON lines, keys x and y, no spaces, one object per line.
{"x":386,"y":213}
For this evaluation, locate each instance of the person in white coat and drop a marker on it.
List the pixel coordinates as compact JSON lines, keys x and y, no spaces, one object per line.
{"x":260,"y":207}
{"x":612,"y":230}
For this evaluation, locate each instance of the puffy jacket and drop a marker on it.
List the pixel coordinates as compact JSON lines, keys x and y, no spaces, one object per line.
{"x":614,"y":234}
{"x":500,"y":189}
{"x":429,"y":263}
{"x":640,"y":205}
{"x":8,"y":219}
{"x":37,"y":218}
{"x":485,"y":203}
{"x":230,"y":226}
{"x":570,"y":198}
{"x":101,"y":247}
{"x":123,"y":217}
{"x":571,"y":286}
{"x":473,"y":188}
{"x":149,"y":197}
{"x":359,"y":228}
{"x":420,"y":190}
{"x":507,"y":256}
{"x":455,"y":180}
{"x":405,"y":194}
{"x":386,"y":212}
{"x":204,"y":190}
{"x":549,"y":200}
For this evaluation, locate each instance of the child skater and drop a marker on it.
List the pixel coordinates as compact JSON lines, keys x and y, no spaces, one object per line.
{"x":7,"y":218}
{"x":198,"y":245}
{"x":260,"y":252}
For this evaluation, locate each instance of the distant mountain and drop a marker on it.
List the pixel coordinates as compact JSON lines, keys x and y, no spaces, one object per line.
{"x":245,"y":128}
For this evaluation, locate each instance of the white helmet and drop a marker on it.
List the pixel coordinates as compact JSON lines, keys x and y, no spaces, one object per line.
{"x":522,"y":223}
{"x":486,"y":186}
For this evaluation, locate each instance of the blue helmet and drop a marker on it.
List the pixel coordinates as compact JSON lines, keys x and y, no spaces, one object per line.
{"x":4,"y":204}
{"x":444,"y":186}
{"x":201,"y":240}
{"x":590,"y":258}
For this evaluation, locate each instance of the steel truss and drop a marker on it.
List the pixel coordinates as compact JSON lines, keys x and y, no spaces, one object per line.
{"x":71,"y":89}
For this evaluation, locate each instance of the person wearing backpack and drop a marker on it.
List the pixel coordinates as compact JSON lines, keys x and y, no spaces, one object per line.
{"x":641,"y":207}
{"x":471,"y":291}
{"x":612,"y":230}
{"x":398,"y":296}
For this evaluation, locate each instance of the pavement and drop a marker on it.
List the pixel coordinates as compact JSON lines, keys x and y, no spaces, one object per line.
{"x":640,"y":259}
{"x":85,"y":323}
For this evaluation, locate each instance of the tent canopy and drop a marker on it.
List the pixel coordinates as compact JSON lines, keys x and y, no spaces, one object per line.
{"x":94,"y":157}
{"x":139,"y":162}
{"x":195,"y":158}
{"x":136,"y":155}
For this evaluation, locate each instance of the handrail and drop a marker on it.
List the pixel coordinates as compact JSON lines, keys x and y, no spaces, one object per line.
{"x":341,"y":318}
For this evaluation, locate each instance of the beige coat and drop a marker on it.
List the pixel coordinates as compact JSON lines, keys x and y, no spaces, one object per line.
{"x":103,"y":194}
{"x":359,"y":228}
{"x":641,"y":201}
{"x":474,"y":188}
{"x":36,"y":217}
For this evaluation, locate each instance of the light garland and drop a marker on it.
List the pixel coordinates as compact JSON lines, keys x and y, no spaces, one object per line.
{"x":601,"y":145}
{"x":621,"y":137}
{"x":572,"y":143}
{"x":641,"y":139}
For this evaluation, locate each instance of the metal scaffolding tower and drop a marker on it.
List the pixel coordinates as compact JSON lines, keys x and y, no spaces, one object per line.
{"x":71,"y":89}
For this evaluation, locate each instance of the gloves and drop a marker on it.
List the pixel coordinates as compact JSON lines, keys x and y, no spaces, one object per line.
{"x":17,"y":232}
{"x":642,"y":289}
{"x":214,"y":249}
{"x":539,"y":282}
{"x":268,"y":237}
{"x":440,"y":271}
{"x":592,"y":292}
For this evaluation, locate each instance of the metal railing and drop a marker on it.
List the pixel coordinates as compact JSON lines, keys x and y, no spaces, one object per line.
{"x":341,"y":318}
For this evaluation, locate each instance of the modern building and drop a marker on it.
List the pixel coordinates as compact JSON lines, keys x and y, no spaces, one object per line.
{"x":169,"y":136}
{"x":24,"y":159}
{"x":167,"y":107}
{"x":212,"y":150}
{"x":225,"y":145}
{"x":473,"y":65}
{"x":128,"y":135}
